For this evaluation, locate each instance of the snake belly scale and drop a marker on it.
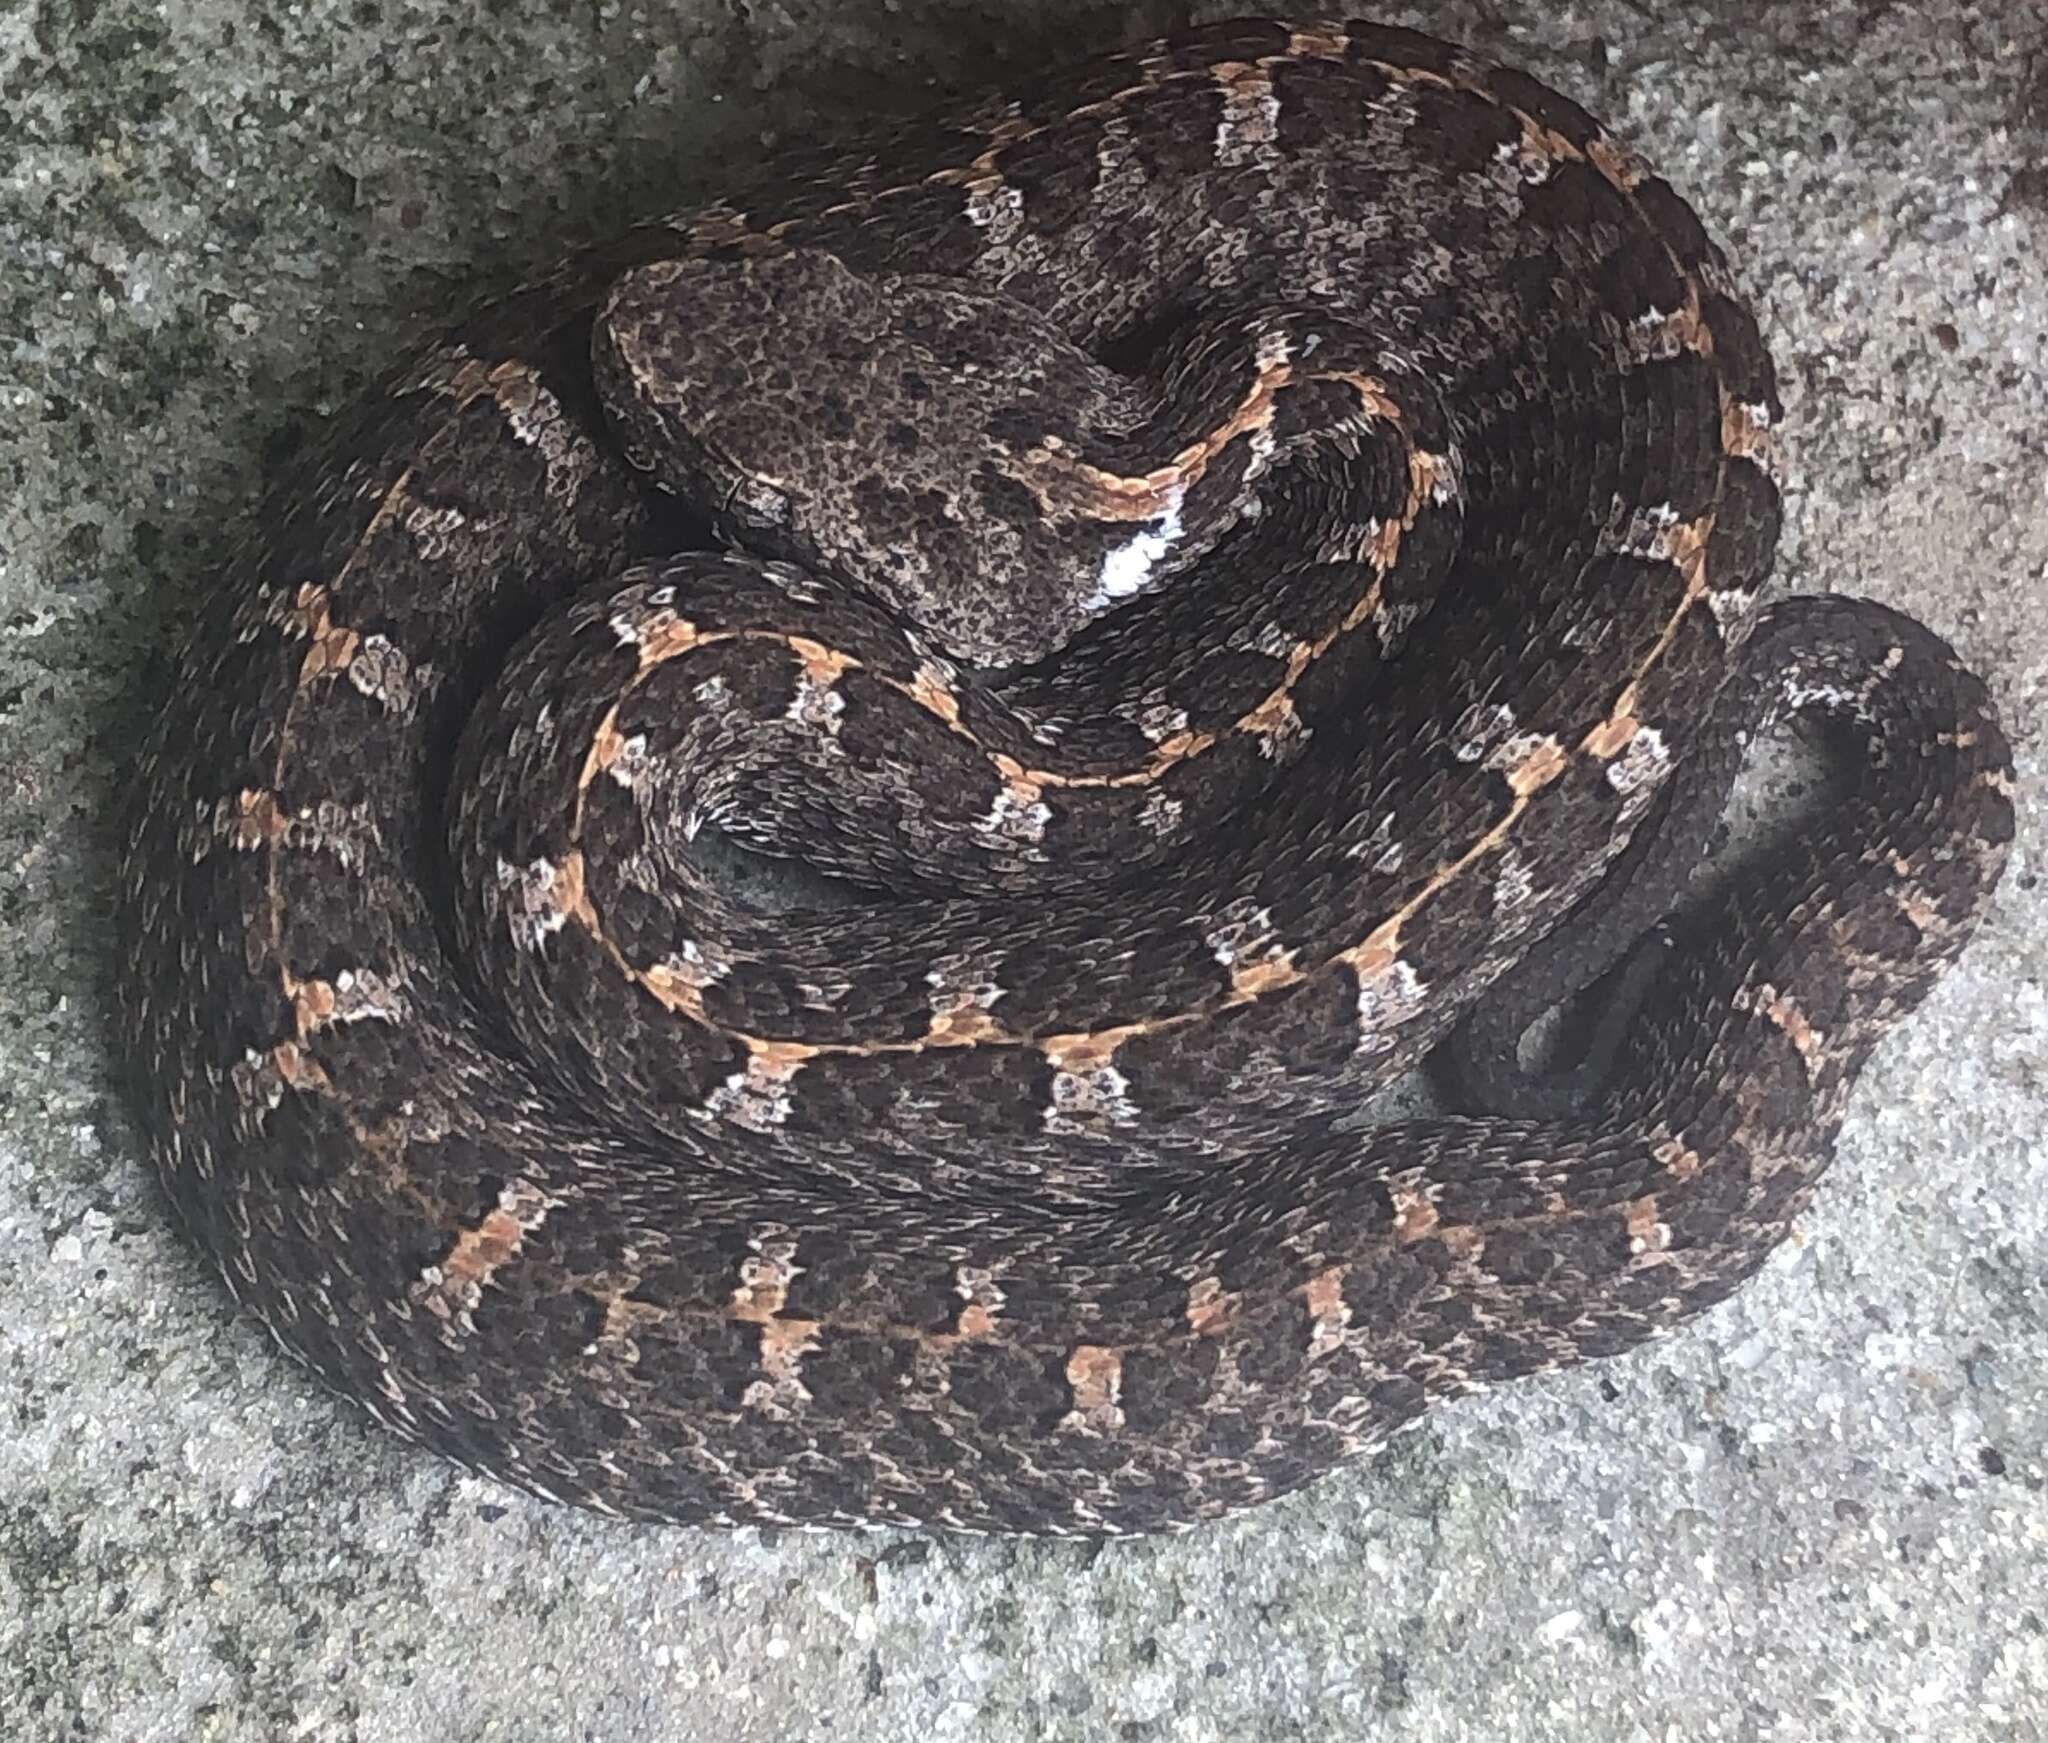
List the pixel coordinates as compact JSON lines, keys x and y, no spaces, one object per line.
{"x":1216,"y":555}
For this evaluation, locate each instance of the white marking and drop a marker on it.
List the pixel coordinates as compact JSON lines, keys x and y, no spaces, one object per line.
{"x":362,"y":994}
{"x":349,"y":832}
{"x":1242,"y":929}
{"x":757,"y":1098}
{"x":433,"y":526}
{"x":1127,"y":569}
{"x":1836,"y":698}
{"x":1446,"y":476}
{"x":1162,"y":815}
{"x":526,"y":897}
{"x":1158,"y":719}
{"x":1095,"y":1377}
{"x":1648,"y":1240}
{"x":791,"y":582}
{"x":976,"y":1286}
{"x":818,"y":705}
{"x":1266,"y":638}
{"x":1513,"y":885}
{"x":628,"y":766}
{"x":1531,"y":165}
{"x":694,"y":966}
{"x":1280,"y":730}
{"x":630,"y":623}
{"x":1642,"y":765}
{"x":1385,"y":1002}
{"x":998,"y":210}
{"x":1478,"y":728}
{"x":1732,"y":606}
{"x":382,"y":672}
{"x":762,"y":503}
{"x":1391,"y":624}
{"x":958,"y":981}
{"x":1019,"y":814}
{"x":1638,"y":530}
{"x":1657,"y":334}
{"x":1357,"y":546}
{"x":1388,"y":853}
{"x":1083,"y":1099}
{"x":1112,"y":160}
{"x":1251,"y":119}
{"x":256,"y":1078}
{"x":1511,"y":753}
{"x":535,"y":417}
{"x":1585,"y":632}
{"x":1262,"y":444}
{"x":1329,"y":1313}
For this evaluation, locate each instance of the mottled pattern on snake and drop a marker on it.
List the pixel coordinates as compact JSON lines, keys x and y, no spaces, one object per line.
{"x":1240,"y":536}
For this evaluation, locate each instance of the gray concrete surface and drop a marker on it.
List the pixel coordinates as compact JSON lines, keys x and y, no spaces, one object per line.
{"x":1818,"y":1515}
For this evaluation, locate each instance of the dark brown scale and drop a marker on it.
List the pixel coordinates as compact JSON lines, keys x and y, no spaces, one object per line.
{"x":1377,"y":631}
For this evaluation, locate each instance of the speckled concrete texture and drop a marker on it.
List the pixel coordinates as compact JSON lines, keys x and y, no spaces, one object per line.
{"x":1817,"y":1515}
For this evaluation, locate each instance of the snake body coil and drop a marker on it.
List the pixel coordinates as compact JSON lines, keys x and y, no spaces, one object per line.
{"x":1221,"y":552}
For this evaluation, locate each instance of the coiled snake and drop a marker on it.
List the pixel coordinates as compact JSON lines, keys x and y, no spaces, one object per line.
{"x":1217,"y":555}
